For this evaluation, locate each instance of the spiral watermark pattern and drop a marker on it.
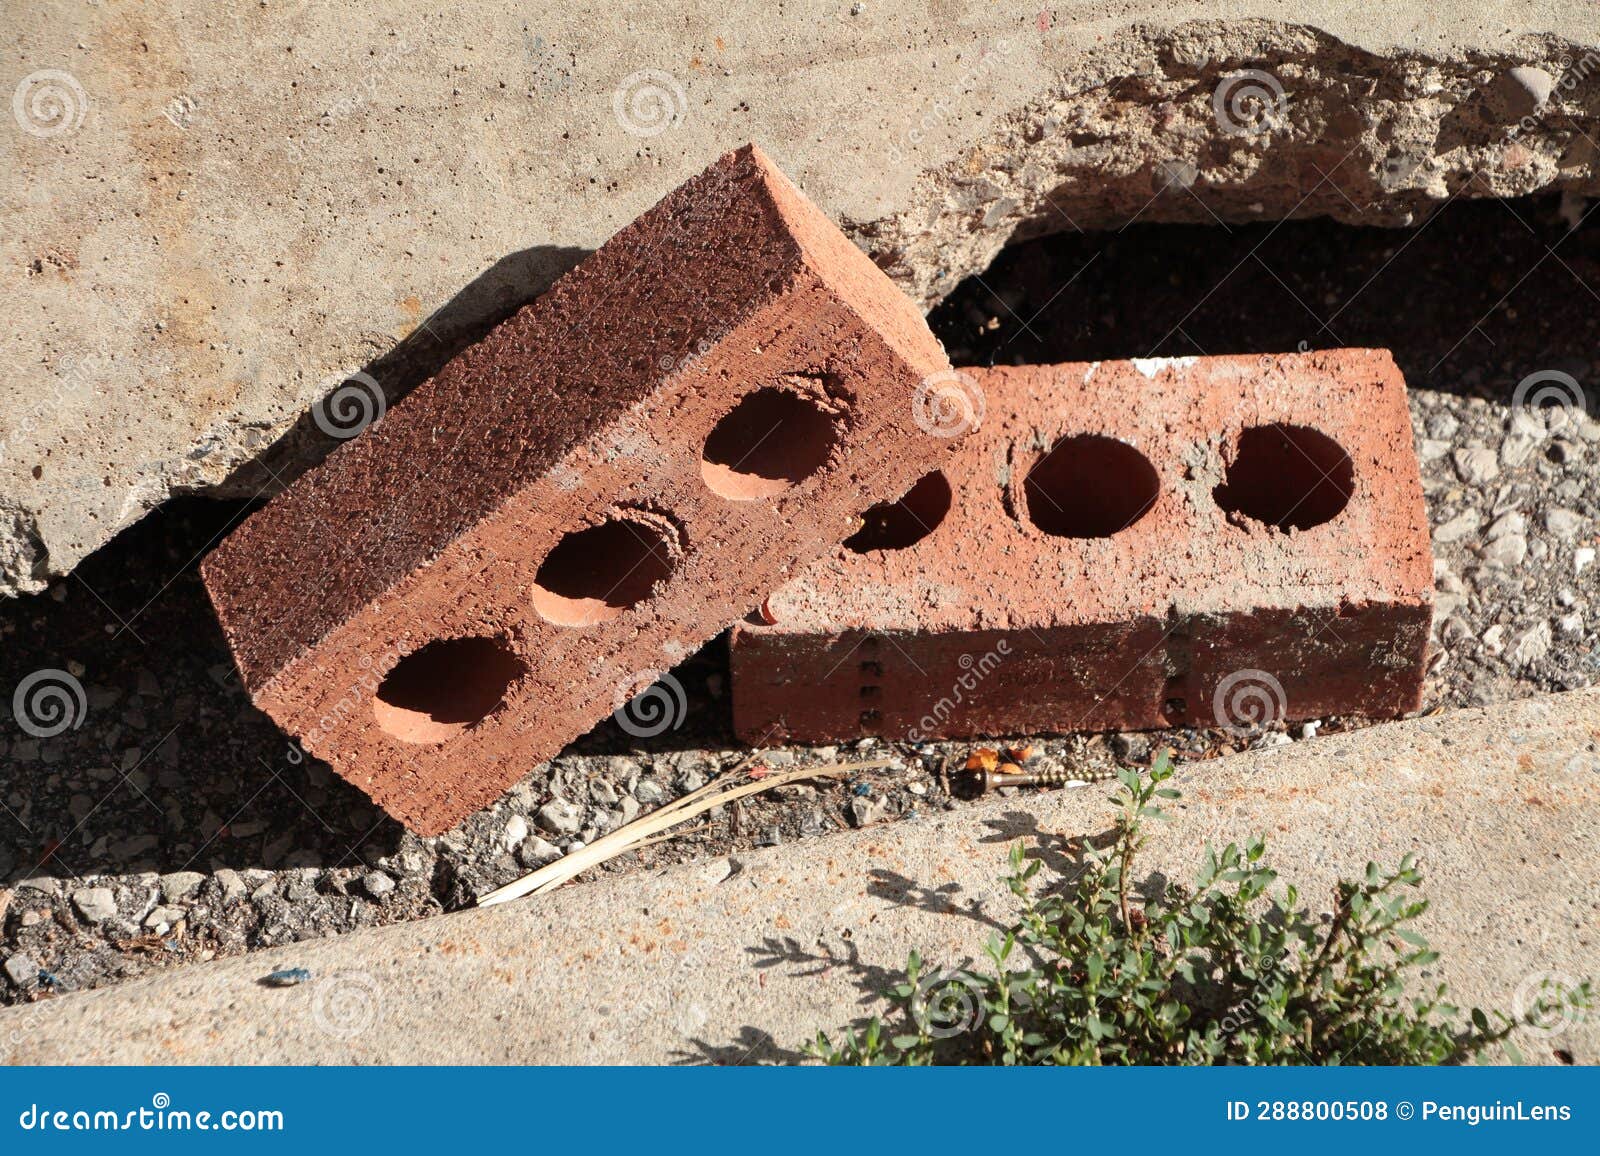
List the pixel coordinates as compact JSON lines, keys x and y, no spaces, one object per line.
{"x":351,"y":402}
{"x":49,"y":702}
{"x":1247,"y":700}
{"x":160,"y":1100}
{"x":650,"y":703}
{"x":1551,"y":989}
{"x":49,"y":102}
{"x":1555,"y":398}
{"x":346,"y":1004}
{"x":948,"y":1003}
{"x":1249,"y":103}
{"x":948,"y":404}
{"x":649,"y":102}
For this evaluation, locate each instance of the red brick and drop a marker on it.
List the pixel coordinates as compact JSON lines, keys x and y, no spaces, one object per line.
{"x":453,"y":523}
{"x":989,"y":625}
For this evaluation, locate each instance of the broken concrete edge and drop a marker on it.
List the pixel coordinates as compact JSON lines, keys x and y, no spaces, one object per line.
{"x":1253,"y":120}
{"x":741,"y":960}
{"x":1103,"y":119}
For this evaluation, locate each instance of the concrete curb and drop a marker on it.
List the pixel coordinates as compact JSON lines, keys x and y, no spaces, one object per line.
{"x":741,"y":959}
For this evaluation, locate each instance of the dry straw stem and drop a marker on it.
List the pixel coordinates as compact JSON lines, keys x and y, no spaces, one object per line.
{"x":646,"y":827}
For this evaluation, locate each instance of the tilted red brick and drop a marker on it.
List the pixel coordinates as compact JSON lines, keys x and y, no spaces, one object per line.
{"x":584,"y":497}
{"x":999,"y":621}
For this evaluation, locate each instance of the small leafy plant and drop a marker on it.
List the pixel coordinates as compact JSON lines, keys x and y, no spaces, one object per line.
{"x":1233,"y":971}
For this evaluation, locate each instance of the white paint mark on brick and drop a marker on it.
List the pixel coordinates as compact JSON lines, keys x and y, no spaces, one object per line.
{"x":1150,"y":366}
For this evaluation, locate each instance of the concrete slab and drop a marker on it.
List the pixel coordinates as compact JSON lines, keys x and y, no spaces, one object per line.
{"x":739,"y":960}
{"x":216,"y":214}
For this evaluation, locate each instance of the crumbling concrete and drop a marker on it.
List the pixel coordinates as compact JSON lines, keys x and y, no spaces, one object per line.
{"x":216,"y":215}
{"x":1215,"y":541}
{"x":583,"y":498}
{"x":742,"y":960}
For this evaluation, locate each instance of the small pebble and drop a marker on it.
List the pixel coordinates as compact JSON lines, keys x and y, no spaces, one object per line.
{"x":180,"y":885}
{"x":232,"y":884}
{"x":864,"y":812}
{"x":376,"y":884}
{"x":95,"y":904}
{"x":161,"y":918}
{"x":1532,"y":645}
{"x":1476,"y":464}
{"x":1564,"y":524}
{"x":22,"y":969}
{"x":560,"y":817}
{"x":536,"y":852}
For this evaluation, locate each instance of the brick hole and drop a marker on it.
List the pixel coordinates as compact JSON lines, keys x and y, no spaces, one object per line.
{"x":1287,"y":476}
{"x":1090,"y":486}
{"x":871,"y":720}
{"x":770,"y":441}
{"x":435,"y":693}
{"x":896,"y":525}
{"x":594,"y":574}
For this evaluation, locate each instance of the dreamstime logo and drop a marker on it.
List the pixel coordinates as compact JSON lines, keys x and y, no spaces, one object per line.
{"x":939,"y":111}
{"x":49,"y":102}
{"x":973,"y":672}
{"x":678,"y":363}
{"x":1543,"y":995}
{"x":346,"y":1004}
{"x":1572,"y":75}
{"x":650,"y":703}
{"x":321,"y":736}
{"x":374,"y":70}
{"x":1247,"y":700}
{"x":649,"y":102}
{"x":355,"y":402}
{"x":74,"y":377}
{"x":947,"y":404}
{"x":1267,"y":967}
{"x":948,"y":1004}
{"x":1249,"y":103}
{"x":37,"y":1026}
{"x":49,"y":702}
{"x":1555,"y":398}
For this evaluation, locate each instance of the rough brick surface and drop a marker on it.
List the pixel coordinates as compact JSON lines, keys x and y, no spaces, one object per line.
{"x":1245,"y":587}
{"x":603,"y":483}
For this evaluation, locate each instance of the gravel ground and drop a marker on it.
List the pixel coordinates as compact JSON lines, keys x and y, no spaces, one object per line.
{"x":171,"y":825}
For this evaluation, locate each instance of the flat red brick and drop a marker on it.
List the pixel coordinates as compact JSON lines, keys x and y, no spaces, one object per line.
{"x":590,"y":493}
{"x":1222,"y":540}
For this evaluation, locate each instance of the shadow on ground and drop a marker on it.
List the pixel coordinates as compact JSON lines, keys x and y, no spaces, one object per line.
{"x":1474,"y":300}
{"x":1063,"y":858}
